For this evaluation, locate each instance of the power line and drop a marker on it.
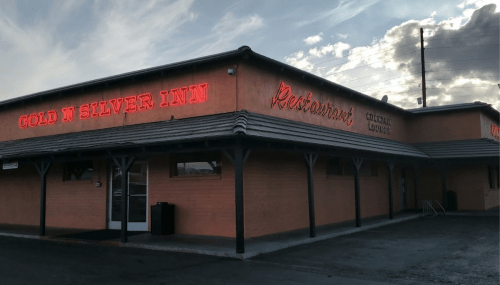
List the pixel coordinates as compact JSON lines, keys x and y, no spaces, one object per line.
{"x":461,"y":69}
{"x":382,"y":81}
{"x":438,"y":39}
{"x":375,"y":61}
{"x":465,"y":59}
{"x":387,"y":87}
{"x":461,"y":87}
{"x":363,"y":66}
{"x":357,"y":53}
{"x":460,"y":29}
{"x":443,"y":79}
{"x":464,"y":46}
{"x":375,"y":74}
{"x":407,"y":91}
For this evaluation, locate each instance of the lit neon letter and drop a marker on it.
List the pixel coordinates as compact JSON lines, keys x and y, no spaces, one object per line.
{"x":179,"y":96}
{"x":306,"y":102}
{"x":52,"y":117}
{"x":131,"y":106}
{"x":84,"y":111}
{"x":146,"y":102}
{"x":314,"y":107}
{"x":23,"y":122}
{"x":94,"y":109}
{"x":104,"y":112}
{"x":117,"y":104}
{"x":164,"y":98}
{"x":281,"y":96}
{"x":33,"y":120}
{"x":68,"y":114}
{"x":198,"y":93}
{"x":41,"y":120}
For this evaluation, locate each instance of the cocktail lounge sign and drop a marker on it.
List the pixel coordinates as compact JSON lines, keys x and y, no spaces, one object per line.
{"x":130,"y":104}
{"x":378,"y":123}
{"x":284,"y":99}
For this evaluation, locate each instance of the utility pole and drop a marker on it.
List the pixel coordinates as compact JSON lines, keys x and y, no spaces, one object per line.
{"x":422,"y":59}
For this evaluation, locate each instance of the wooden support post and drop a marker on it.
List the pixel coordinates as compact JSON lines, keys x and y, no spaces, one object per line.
{"x":357,"y":165}
{"x":124,"y":163}
{"x":390,"y":167}
{"x":415,"y":186}
{"x":310,"y":161}
{"x":238,"y":161}
{"x":443,"y":183}
{"x":43,"y":169}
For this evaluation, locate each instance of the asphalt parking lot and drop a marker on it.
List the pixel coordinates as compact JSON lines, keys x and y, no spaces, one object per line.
{"x":440,"y":250}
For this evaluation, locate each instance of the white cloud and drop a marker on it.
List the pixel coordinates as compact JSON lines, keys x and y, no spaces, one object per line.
{"x":391,"y":65}
{"x":227,"y":30}
{"x":336,"y":49}
{"x":125,"y":38}
{"x":343,"y":36}
{"x":313,"y":39}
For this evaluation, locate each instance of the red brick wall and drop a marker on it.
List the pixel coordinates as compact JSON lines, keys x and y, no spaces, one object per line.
{"x":77,"y":204}
{"x":276,"y":194}
{"x":469,"y":182}
{"x":69,"y":204}
{"x":463,"y":125}
{"x":20,"y":196}
{"x":221,"y":99}
{"x":203,"y":206}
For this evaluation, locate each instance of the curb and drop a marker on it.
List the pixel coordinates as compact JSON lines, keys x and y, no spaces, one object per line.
{"x":267,"y":249}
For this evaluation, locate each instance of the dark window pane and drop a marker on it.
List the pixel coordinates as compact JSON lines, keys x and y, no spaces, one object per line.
{"x":366,"y":169}
{"x":137,"y":209}
{"x":78,"y":170}
{"x":196,"y":164}
{"x":348,"y":167}
{"x":333,"y":167}
{"x":116,"y":208}
{"x":138,"y":173}
{"x":135,"y":189}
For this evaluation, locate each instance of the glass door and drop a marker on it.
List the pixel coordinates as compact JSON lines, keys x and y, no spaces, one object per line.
{"x":137,"y":211}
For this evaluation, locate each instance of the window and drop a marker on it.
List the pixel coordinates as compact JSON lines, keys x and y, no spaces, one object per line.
{"x":78,"y":170}
{"x":195,"y":164}
{"x":345,"y":167}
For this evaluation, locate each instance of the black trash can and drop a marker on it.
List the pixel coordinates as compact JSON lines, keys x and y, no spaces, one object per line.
{"x":162,"y":219}
{"x":451,"y":201}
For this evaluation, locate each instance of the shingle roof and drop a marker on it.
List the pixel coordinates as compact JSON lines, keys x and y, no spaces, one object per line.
{"x":461,"y":149}
{"x":202,"y":128}
{"x":453,"y":107}
{"x":276,"y":128}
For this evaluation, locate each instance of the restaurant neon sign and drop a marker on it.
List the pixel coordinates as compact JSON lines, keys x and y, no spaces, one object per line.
{"x":285,"y":99}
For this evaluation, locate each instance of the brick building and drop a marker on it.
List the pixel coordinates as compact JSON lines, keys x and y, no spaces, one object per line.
{"x":242,"y":145}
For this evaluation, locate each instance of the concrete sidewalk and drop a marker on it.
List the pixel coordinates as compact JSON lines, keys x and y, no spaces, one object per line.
{"x":215,"y":246}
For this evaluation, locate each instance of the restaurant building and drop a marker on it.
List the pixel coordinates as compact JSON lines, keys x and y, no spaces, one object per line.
{"x":242,"y":145}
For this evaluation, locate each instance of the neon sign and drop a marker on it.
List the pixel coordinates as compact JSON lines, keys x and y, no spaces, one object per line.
{"x":495,"y":132}
{"x":285,"y":99}
{"x":129,"y":104}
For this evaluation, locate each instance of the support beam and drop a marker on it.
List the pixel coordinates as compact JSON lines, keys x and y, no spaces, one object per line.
{"x":124,"y":163}
{"x":415,"y":186}
{"x":443,"y":183}
{"x":357,"y":165}
{"x":43,"y":169}
{"x":390,"y":167}
{"x":238,"y":161}
{"x":310,"y":161}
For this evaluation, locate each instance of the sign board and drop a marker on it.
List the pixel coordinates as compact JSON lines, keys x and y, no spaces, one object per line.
{"x":10,"y":165}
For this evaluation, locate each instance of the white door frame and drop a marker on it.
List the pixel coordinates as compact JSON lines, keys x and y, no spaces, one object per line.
{"x":131,"y":226}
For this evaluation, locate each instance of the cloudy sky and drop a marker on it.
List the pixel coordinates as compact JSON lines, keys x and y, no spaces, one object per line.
{"x":372,"y":46}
